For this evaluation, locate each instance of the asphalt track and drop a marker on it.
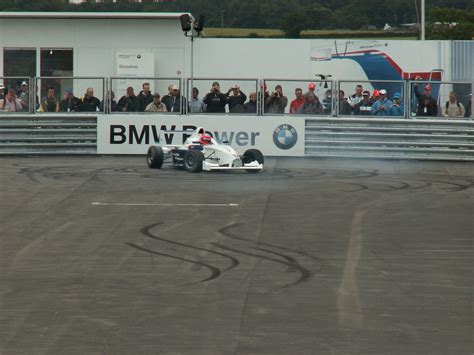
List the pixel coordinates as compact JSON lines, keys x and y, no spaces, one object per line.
{"x":311,"y":256}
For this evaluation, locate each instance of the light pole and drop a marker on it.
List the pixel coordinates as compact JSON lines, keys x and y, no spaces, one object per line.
{"x":195,"y":27}
{"x":422,"y":20}
{"x":222,"y":22}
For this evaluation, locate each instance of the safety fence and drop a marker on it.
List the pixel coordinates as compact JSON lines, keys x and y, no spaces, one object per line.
{"x":321,"y":98}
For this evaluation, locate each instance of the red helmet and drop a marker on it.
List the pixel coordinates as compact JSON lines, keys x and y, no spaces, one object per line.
{"x":205,"y":139}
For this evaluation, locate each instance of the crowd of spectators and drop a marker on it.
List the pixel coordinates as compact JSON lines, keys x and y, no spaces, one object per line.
{"x":234,"y":101}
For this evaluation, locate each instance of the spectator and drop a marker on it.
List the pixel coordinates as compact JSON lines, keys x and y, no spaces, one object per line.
{"x":69,"y":102}
{"x":24,"y":97}
{"x":276,"y":102}
{"x":453,"y":108}
{"x":383,"y":106}
{"x":11,"y":103}
{"x":298,"y":102}
{"x":344,"y":108}
{"x":427,"y":106}
{"x":89,"y":103}
{"x":469,"y":107}
{"x":156,"y":105}
{"x":266,"y":95}
{"x":173,"y":101}
{"x":109,"y":101}
{"x":311,"y":106}
{"x":364,"y":107}
{"x":2,"y":96}
{"x":128,"y":102}
{"x":327,"y":102}
{"x":375,"y":95}
{"x":196,"y":105}
{"x":236,"y":100}
{"x":357,"y":97}
{"x":398,"y":108}
{"x":166,"y":97}
{"x":251,"y":106}
{"x":49,"y":102}
{"x":215,"y":100}
{"x":145,"y":97}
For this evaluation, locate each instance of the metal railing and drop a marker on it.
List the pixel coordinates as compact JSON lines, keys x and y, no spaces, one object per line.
{"x":168,"y":88}
{"x":326,"y":93}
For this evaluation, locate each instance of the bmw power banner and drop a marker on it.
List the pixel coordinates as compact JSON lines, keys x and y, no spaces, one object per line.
{"x":132,"y":134}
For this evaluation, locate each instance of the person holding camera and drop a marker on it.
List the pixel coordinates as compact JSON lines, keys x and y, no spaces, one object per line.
{"x":215,"y":100}
{"x":236,"y":100}
{"x":276,"y":102}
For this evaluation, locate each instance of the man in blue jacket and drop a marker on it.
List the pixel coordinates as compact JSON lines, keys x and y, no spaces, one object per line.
{"x":383,"y":106}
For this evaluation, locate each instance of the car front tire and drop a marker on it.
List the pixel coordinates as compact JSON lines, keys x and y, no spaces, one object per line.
{"x":155,"y":157}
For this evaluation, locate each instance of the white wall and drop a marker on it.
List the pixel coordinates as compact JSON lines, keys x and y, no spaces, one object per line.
{"x":97,"y":41}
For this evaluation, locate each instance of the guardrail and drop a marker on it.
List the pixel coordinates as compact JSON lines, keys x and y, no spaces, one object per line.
{"x":48,"y":134}
{"x":390,"y":138}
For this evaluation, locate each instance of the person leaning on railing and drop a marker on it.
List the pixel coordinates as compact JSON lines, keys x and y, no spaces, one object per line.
{"x":24,"y":97}
{"x":383,"y":106}
{"x":364,"y":107}
{"x":276,"y":102}
{"x":11,"y":103}
{"x":251,"y":105}
{"x":69,"y":103}
{"x":398,"y":108}
{"x":236,"y":100}
{"x":215,"y":100}
{"x":49,"y":102}
{"x":89,"y":103}
{"x":453,"y":108}
{"x":156,"y":105}
{"x":311,"y":106}
{"x":128,"y":102}
{"x":469,"y":107}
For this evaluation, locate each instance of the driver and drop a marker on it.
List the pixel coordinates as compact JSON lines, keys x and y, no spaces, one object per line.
{"x":205,"y":139}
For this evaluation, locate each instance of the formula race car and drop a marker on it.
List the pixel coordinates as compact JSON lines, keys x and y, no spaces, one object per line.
{"x":202,"y":152}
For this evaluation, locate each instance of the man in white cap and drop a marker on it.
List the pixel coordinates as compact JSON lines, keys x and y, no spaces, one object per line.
{"x":383,"y":106}
{"x":24,"y":97}
{"x":173,"y":100}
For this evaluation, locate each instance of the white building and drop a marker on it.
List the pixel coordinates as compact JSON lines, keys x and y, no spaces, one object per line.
{"x":97,"y":44}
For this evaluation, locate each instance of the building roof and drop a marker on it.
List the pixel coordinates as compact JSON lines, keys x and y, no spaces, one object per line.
{"x":91,"y":15}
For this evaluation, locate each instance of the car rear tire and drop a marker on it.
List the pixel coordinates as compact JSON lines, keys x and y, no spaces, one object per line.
{"x":193,"y":161}
{"x":251,"y":155}
{"x":155,"y":157}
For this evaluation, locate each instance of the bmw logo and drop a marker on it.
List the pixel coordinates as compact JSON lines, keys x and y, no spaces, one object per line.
{"x":285,"y":136}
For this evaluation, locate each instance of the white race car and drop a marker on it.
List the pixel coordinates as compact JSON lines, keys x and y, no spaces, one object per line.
{"x":202,"y":152}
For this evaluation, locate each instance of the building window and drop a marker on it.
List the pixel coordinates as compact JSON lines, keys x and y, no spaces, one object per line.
{"x":20,"y":64}
{"x":56,"y":63}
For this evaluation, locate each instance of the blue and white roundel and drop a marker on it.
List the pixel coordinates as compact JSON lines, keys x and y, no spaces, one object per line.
{"x":285,"y":136}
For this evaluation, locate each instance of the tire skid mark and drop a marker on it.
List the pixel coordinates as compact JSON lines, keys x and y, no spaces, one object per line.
{"x":224,"y":231}
{"x":303,"y":272}
{"x":360,"y":186}
{"x":215,"y":272}
{"x":146,"y":232}
{"x":295,"y":265}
